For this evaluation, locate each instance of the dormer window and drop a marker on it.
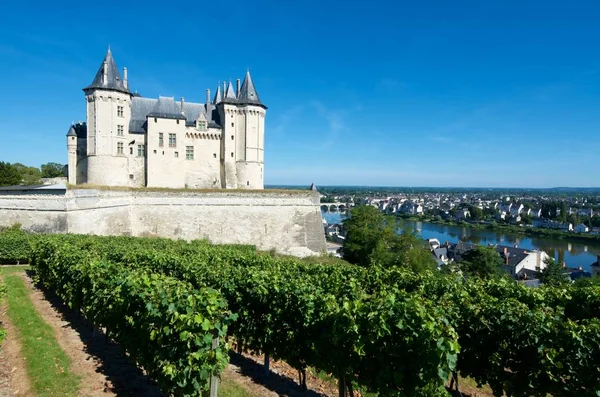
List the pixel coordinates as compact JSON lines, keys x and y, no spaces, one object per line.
{"x":201,"y":125}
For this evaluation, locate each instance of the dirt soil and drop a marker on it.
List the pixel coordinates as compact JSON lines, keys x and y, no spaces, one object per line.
{"x":104,"y":369}
{"x":13,"y":375}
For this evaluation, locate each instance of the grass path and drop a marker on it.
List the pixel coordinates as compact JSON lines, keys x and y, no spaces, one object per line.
{"x":47,"y":365}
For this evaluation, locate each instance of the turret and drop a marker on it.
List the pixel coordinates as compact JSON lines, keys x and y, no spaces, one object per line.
{"x":250,"y":137}
{"x":72,"y":155}
{"x":108,"y":113}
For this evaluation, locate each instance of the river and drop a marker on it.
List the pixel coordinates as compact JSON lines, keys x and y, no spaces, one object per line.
{"x":574,"y":254}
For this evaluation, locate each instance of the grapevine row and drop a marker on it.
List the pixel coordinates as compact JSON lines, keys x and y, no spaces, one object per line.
{"x":165,"y":325}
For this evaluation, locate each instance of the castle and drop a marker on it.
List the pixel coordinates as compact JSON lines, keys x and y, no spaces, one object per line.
{"x":129,"y":140}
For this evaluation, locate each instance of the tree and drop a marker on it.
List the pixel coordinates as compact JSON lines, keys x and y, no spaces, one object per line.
{"x":9,"y":174}
{"x":553,"y":274}
{"x":373,"y":239}
{"x":366,"y":232}
{"x":29,"y":175}
{"x":476,"y":213}
{"x":482,"y":262}
{"x":52,"y":170}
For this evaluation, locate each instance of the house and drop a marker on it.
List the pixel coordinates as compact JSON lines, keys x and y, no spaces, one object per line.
{"x":462,"y":214}
{"x":586,"y":212}
{"x":516,"y":209}
{"x":535,"y":213}
{"x":581,"y":228}
{"x":520,"y":263}
{"x":596,"y":266}
{"x":409,"y":207}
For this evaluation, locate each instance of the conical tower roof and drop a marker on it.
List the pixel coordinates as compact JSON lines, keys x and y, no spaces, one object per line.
{"x":230,"y":94}
{"x":113,"y":78}
{"x":71,"y":131}
{"x":248,"y":94}
{"x":217,"y":98}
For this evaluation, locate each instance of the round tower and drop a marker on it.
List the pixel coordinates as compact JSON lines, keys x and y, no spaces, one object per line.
{"x":72,"y":156}
{"x":108,"y":115}
{"x":251,"y":137}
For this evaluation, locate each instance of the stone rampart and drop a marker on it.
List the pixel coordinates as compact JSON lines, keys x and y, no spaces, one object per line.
{"x":289,"y":223}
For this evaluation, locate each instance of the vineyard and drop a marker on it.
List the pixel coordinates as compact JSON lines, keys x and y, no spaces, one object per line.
{"x":174,"y":306}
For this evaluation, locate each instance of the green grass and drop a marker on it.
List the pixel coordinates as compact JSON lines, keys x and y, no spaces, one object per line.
{"x":228,"y":388}
{"x":47,"y":365}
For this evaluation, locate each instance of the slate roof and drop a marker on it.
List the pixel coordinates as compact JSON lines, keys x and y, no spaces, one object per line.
{"x":71,"y":132}
{"x":248,"y":94}
{"x":230,"y":96}
{"x":114,"y":81}
{"x":217,"y":98}
{"x":150,"y":107}
{"x":166,"y":108}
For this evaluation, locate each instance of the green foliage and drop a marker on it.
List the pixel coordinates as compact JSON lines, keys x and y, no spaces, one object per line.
{"x":164,"y":324}
{"x":9,"y":174}
{"x":371,"y":238}
{"x":14,"y":246}
{"x":553,"y":274}
{"x":386,"y":328}
{"x":29,"y":175}
{"x":481,"y":262}
{"x":52,"y":170}
{"x":476,"y":213}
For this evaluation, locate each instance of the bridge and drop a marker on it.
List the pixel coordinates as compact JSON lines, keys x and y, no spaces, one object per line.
{"x":334,"y":207}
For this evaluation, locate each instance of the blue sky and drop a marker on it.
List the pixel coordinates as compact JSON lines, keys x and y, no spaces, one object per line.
{"x":428,"y":93}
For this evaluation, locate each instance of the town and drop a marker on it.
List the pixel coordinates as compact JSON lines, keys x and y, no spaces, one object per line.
{"x":545,"y":213}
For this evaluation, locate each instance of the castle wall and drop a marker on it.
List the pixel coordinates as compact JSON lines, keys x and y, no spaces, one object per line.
{"x":289,"y":223}
{"x":166,"y":164}
{"x":204,"y":171}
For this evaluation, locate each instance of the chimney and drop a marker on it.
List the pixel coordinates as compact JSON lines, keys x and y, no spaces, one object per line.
{"x":207,"y":96}
{"x":505,"y":250}
{"x":506,"y":260}
{"x":564,"y":265}
{"x":104,"y":73}
{"x":580,"y":268}
{"x":237,"y":87}
{"x":224,"y":88}
{"x":182,"y":102}
{"x":125,"y":78}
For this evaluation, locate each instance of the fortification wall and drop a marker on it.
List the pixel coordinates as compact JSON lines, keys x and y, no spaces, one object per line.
{"x":289,"y":223}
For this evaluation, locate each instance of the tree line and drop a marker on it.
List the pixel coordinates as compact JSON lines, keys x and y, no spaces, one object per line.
{"x":20,"y":174}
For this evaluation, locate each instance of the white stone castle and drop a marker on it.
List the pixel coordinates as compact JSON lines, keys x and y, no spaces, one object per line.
{"x":133,"y":141}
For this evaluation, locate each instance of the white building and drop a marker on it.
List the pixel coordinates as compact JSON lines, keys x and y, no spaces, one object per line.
{"x":133,"y":141}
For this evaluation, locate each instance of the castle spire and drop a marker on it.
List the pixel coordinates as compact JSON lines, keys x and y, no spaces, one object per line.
{"x":108,"y":76}
{"x":248,"y":94}
{"x":217,"y":98}
{"x":230,"y":94}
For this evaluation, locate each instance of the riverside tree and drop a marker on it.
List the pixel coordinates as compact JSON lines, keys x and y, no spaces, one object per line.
{"x":371,"y":238}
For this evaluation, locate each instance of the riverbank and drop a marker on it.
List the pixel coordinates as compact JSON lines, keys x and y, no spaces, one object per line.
{"x":514,"y":229}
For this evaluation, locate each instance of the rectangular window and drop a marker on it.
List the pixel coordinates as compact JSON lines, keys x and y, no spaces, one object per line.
{"x":119,"y":147}
{"x":176,"y":154}
{"x":161,"y":139}
{"x":141,"y":150}
{"x":120,"y":130}
{"x":172,"y":140}
{"x":120,"y":111}
{"x":189,"y":152}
